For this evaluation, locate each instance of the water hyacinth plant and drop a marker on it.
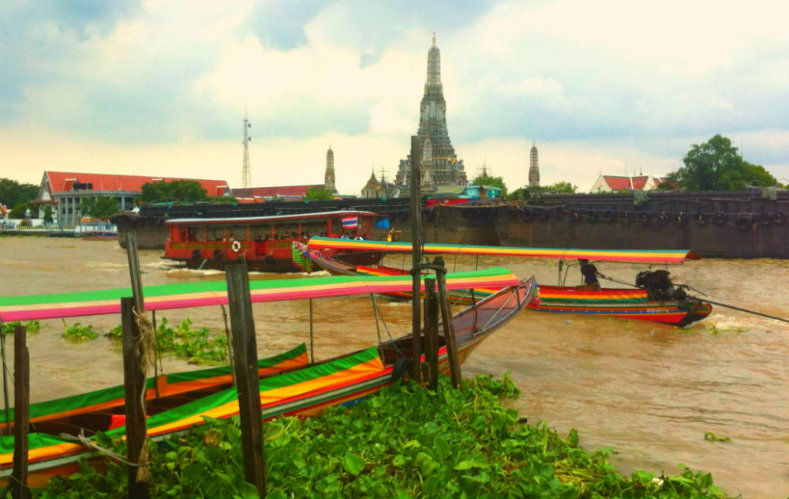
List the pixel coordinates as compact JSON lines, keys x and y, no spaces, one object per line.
{"x":199,"y":346}
{"x":404,"y":442}
{"x":31,"y":326}
{"x":77,"y":333}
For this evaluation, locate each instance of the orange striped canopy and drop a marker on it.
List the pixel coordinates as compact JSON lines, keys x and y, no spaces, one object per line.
{"x":645,"y":256}
{"x":196,"y":294}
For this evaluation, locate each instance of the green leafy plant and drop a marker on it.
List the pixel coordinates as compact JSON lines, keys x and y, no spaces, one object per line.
{"x":199,"y":346}
{"x":77,"y":333}
{"x":711,"y":437}
{"x":32,"y":326}
{"x":404,"y":442}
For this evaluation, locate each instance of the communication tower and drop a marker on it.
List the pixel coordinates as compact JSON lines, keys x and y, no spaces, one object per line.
{"x":246,"y":175}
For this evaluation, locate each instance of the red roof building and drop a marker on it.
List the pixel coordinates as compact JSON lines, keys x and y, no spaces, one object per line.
{"x":615,"y":183}
{"x":64,"y":190}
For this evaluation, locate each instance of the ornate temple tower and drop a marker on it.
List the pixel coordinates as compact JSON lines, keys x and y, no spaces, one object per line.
{"x":446,"y":168}
{"x":534,"y":167}
{"x":328,"y":178}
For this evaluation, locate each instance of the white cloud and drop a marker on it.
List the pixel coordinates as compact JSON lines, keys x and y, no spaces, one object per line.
{"x":601,"y":86}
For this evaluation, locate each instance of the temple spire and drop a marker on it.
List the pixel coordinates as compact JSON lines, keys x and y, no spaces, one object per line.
{"x":433,"y":64}
{"x":445,"y":168}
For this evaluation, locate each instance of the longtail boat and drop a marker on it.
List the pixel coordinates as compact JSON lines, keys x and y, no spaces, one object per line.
{"x":264,"y":242}
{"x":661,"y":303}
{"x":63,"y":430}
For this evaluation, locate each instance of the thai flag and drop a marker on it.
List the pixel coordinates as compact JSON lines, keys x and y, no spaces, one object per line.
{"x":350,"y":222}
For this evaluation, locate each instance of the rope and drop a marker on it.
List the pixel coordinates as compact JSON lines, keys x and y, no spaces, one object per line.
{"x":377,"y":327}
{"x":725,"y":305}
{"x":81,"y":438}
{"x":147,"y":341}
{"x":145,"y":347}
{"x":377,"y":314}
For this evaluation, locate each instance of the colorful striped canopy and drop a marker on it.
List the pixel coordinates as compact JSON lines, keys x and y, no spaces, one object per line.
{"x":197,"y":294}
{"x":646,"y":256}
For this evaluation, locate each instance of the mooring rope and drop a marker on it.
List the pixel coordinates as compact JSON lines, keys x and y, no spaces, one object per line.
{"x":81,"y":438}
{"x":725,"y":305}
{"x":148,"y":359}
{"x":378,"y":313}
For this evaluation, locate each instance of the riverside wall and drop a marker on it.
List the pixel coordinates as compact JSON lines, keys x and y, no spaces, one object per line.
{"x":748,"y":224}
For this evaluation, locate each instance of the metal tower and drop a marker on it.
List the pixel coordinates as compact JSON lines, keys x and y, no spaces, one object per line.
{"x":246,"y":175}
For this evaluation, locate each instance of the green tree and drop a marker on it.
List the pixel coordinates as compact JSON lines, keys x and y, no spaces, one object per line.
{"x":12,"y":192}
{"x":716,"y":165}
{"x":317,"y":194}
{"x":100,"y":207}
{"x":178,"y":190}
{"x":484,"y":179}
{"x":561,"y":188}
{"x":48,"y":214}
{"x":18,"y":211}
{"x":535,"y":192}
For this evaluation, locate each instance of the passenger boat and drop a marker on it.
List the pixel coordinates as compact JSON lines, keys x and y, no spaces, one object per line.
{"x":264,"y":242}
{"x":288,"y":386}
{"x":662,"y":302}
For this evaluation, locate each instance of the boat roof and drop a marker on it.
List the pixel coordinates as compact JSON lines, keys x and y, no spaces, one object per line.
{"x":206,"y":293}
{"x":322,"y":215}
{"x":611,"y":255}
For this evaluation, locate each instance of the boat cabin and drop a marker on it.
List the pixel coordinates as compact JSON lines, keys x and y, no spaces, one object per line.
{"x":264,"y":242}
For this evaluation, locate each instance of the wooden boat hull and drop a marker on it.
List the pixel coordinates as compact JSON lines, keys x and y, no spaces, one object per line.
{"x":609,"y":302}
{"x":275,"y":262}
{"x":619,"y":303}
{"x":301,"y":391}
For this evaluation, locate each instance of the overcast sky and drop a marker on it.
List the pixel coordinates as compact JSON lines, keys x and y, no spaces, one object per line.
{"x":159,"y":87}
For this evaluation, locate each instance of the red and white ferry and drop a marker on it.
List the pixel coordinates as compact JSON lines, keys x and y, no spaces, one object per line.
{"x":265,"y":242}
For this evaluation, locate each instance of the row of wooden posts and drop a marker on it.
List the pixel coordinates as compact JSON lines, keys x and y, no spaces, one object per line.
{"x":244,"y":359}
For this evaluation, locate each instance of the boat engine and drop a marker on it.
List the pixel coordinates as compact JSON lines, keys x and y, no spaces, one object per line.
{"x":659,"y":286}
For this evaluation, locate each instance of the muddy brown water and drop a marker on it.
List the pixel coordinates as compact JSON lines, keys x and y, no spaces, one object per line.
{"x":648,"y":392}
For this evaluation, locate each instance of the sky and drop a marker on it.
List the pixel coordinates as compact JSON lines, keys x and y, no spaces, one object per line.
{"x":160,"y":87}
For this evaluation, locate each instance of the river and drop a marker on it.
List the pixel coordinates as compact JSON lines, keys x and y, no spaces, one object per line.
{"x":647,"y":391}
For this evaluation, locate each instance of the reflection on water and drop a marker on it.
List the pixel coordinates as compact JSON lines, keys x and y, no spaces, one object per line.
{"x":649,"y":392}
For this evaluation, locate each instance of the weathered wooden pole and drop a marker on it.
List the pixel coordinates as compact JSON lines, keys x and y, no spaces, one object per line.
{"x":242,"y":327}
{"x":5,"y":382}
{"x":134,"y":399}
{"x":312,"y":339}
{"x":19,"y":489}
{"x":431,"y":333}
{"x":134,"y":271}
{"x":417,"y":241}
{"x":136,"y":356}
{"x":446,"y":318}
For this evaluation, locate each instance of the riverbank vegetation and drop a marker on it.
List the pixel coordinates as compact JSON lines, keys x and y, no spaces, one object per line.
{"x":404,"y":442}
{"x":197,"y":345}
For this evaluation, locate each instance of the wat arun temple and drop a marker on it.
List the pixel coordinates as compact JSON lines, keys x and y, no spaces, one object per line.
{"x":440,"y":166}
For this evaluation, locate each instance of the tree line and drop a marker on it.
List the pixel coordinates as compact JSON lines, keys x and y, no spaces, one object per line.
{"x":715,"y":165}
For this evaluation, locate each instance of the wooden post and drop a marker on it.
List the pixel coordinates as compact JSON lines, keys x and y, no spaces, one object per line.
{"x":416,"y":257}
{"x":446,"y":318}
{"x":242,"y":327}
{"x":5,"y":382}
{"x":134,"y":271}
{"x":431,"y":333}
{"x":134,"y":388}
{"x":312,"y":339}
{"x":19,"y":488}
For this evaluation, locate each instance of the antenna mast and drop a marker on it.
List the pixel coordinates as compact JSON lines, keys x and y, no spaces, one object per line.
{"x":246,"y":176}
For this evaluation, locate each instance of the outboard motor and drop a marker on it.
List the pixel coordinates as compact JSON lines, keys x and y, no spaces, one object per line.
{"x":659,"y":286}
